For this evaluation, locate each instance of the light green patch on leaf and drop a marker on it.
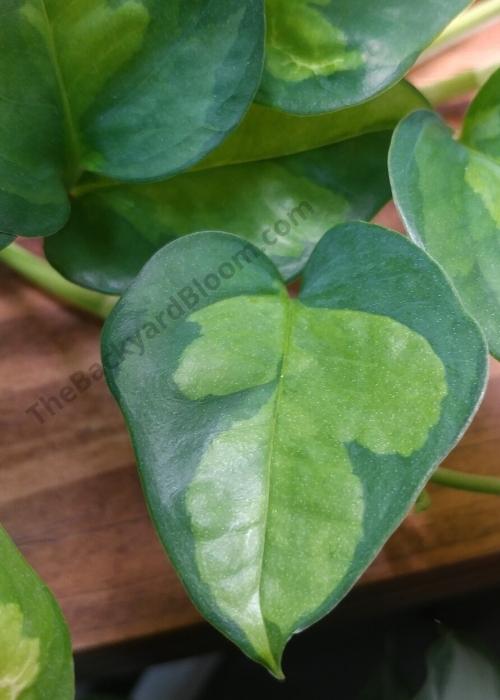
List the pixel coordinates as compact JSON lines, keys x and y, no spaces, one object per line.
{"x":302,"y":42}
{"x":19,"y":654}
{"x":341,"y":377}
{"x":35,"y":649}
{"x":282,"y":441}
{"x":448,"y":195}
{"x":329,"y":355}
{"x":325,"y":55}
{"x":233,"y":361}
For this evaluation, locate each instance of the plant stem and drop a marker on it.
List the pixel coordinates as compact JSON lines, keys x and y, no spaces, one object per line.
{"x":43,"y":275}
{"x":458,"y":85}
{"x":423,"y":502}
{"x":467,"y":482}
{"x":467,"y":22}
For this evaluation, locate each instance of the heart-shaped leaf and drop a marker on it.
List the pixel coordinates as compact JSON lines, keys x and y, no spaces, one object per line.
{"x":282,"y":203}
{"x":131,"y":89}
{"x":35,"y":649}
{"x":281,"y":441}
{"x":448,"y":193}
{"x":328,"y":54}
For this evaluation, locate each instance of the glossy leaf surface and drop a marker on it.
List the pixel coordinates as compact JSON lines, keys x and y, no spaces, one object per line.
{"x":278,"y":188}
{"x":35,"y":650}
{"x":447,"y":192}
{"x":281,"y":441}
{"x":282,"y":205}
{"x":132,"y":89}
{"x":269,"y":133}
{"x":329,"y":54}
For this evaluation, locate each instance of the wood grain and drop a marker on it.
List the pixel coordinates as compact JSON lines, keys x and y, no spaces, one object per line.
{"x":70,"y":497}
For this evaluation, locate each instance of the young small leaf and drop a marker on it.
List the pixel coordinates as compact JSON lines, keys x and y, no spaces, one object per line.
{"x":35,"y":650}
{"x":447,"y":192}
{"x":323,"y":55}
{"x":281,"y":441}
{"x":131,"y":89}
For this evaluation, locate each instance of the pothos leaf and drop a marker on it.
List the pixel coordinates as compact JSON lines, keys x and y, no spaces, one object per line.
{"x":459,"y":672}
{"x":281,"y":441}
{"x":447,"y":192}
{"x":270,"y":133}
{"x":35,"y":650}
{"x":329,"y":54}
{"x":271,"y":189}
{"x":131,"y":89}
{"x":283,"y":205}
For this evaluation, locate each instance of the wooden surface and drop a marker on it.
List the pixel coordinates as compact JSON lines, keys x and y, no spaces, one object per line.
{"x":70,"y":497}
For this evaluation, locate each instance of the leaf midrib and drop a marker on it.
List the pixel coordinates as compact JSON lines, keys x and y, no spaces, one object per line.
{"x":289,"y":318}
{"x":73,"y":142}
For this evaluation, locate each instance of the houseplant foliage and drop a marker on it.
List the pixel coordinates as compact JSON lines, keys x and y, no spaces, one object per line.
{"x":120,"y":114}
{"x":280,"y":442}
{"x":35,"y":658}
{"x":308,"y":173}
{"x":323,"y":55}
{"x":166,"y":83}
{"x":450,"y":204}
{"x":277,"y":431}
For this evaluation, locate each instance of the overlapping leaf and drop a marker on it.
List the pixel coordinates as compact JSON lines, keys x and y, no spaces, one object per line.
{"x":35,"y":650}
{"x":132,"y":89}
{"x":448,"y":193}
{"x":283,"y":203}
{"x":282,"y":441}
{"x":328,"y":54}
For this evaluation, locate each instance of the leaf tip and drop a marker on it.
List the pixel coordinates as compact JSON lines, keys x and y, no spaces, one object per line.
{"x":274,"y":668}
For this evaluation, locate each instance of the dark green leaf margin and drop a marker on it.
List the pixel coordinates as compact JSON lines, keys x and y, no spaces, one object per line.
{"x":448,"y":193}
{"x":198,"y":352}
{"x":35,"y":648}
